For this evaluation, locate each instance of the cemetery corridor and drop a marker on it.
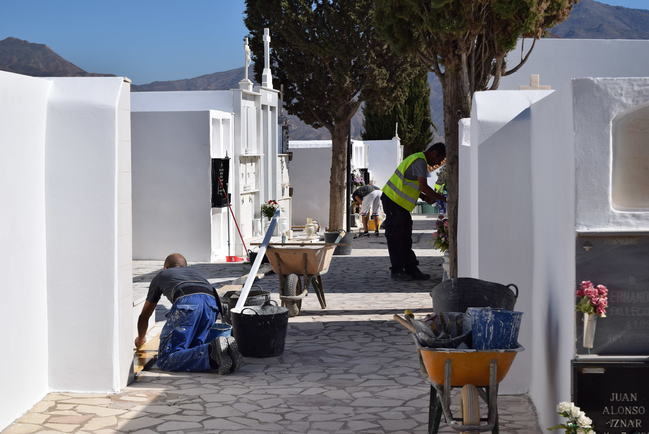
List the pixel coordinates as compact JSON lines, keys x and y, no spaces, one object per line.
{"x":348,"y":368}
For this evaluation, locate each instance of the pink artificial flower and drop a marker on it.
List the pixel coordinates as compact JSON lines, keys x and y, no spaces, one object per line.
{"x":586,"y":284}
{"x":590,"y":292}
{"x":602,"y":290}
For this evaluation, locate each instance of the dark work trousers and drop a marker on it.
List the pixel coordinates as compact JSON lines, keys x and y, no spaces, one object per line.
{"x":398,"y":233}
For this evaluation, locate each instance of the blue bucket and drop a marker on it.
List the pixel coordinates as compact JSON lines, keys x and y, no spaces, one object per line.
{"x":219,"y":330}
{"x":494,"y":329}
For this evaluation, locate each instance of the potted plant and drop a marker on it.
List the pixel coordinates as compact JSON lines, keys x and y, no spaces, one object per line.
{"x":593,"y":301}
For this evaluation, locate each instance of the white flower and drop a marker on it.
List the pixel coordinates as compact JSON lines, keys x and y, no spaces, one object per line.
{"x":584,"y":421}
{"x":576,"y":412}
{"x":564,"y":407}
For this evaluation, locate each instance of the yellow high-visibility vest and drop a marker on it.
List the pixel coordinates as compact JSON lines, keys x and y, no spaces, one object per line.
{"x":403,"y":191}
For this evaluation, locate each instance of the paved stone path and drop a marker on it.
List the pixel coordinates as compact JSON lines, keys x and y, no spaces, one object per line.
{"x":348,"y":368}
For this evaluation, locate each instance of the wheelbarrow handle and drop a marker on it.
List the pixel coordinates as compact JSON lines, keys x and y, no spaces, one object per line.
{"x":404,"y":323}
{"x":513,"y":288}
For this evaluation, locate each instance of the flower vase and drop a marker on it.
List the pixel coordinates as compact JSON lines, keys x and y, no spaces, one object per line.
{"x":267,"y":225}
{"x":590,"y":321}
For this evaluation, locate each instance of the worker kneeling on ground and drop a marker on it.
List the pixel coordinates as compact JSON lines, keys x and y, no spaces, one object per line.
{"x":369,"y":198}
{"x":399,"y":198}
{"x":194,"y":311}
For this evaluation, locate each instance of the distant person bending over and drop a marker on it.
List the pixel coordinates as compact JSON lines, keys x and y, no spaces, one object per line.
{"x":369,"y":198}
{"x":399,"y":198}
{"x":195,"y":308}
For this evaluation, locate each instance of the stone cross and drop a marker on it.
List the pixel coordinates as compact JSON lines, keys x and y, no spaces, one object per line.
{"x":535,"y":84}
{"x":266,"y":75}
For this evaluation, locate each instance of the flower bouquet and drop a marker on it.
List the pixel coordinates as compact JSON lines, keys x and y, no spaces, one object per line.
{"x":441,"y":237}
{"x":577,"y":421}
{"x":593,"y":301}
{"x":268,"y":209}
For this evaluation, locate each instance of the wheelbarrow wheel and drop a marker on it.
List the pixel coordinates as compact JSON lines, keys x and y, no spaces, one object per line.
{"x":293,"y":287}
{"x":470,"y":405}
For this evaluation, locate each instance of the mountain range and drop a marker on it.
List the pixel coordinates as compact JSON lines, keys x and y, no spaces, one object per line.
{"x":589,"y":19}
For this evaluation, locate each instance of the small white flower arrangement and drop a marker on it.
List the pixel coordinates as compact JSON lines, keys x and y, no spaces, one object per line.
{"x":577,"y":421}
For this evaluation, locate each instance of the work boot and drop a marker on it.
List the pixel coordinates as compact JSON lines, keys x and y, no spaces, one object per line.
{"x":418,"y":275}
{"x":235,"y":355}
{"x":219,"y":355}
{"x":400,"y":276}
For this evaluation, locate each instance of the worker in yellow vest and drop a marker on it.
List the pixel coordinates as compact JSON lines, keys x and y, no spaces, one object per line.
{"x":399,"y":198}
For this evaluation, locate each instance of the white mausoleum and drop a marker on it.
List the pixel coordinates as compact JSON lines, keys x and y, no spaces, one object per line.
{"x":539,"y":166}
{"x":175,"y":137}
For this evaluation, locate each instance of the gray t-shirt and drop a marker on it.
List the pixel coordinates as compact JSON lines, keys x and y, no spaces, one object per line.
{"x":166,"y":281}
{"x":418,"y":168}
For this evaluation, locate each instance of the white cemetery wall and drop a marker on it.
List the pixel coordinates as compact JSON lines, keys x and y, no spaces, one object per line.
{"x":383,"y":157}
{"x":467,"y":256}
{"x":23,"y":311}
{"x":500,"y":206}
{"x":310,"y":170}
{"x":124,"y":234}
{"x":505,"y":235}
{"x":171,"y":185}
{"x":197,"y":100}
{"x":311,"y":167}
{"x":83,"y":237}
{"x":552,"y":343}
{"x":611,"y":153}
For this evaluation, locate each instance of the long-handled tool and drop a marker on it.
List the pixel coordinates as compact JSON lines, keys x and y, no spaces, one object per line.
{"x":255,"y":265}
{"x":227,"y":200}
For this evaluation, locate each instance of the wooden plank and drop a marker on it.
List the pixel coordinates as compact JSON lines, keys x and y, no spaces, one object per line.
{"x":145,"y":355}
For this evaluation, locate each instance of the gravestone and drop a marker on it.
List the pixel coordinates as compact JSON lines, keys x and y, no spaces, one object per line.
{"x":614,"y":394}
{"x":620,"y":261}
{"x":220,"y":176}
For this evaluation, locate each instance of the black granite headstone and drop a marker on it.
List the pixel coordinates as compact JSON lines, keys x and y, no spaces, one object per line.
{"x":614,"y":394}
{"x":620,"y":261}
{"x":220,"y":175}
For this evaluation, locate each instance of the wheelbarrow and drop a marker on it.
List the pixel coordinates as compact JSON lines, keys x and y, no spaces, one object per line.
{"x":300,"y":265}
{"x":478,"y":373}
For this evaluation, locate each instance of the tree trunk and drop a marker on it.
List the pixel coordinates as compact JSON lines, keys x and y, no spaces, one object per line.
{"x":337,"y":179}
{"x":457,"y":105}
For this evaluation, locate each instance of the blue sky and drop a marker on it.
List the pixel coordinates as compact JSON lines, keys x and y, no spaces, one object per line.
{"x":146,"y":40}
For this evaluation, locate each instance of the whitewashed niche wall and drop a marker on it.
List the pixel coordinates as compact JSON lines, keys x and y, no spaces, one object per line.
{"x":630,"y":161}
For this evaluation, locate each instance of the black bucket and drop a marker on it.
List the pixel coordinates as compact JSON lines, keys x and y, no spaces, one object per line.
{"x":345,"y":247}
{"x":456,"y":295}
{"x":256,"y":297}
{"x":260,"y":331}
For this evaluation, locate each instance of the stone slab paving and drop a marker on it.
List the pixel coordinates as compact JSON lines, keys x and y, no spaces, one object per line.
{"x":347,"y":369}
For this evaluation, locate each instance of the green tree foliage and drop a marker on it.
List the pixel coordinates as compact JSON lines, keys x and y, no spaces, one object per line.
{"x":327,"y":56}
{"x":465,"y":43}
{"x":413,"y":116}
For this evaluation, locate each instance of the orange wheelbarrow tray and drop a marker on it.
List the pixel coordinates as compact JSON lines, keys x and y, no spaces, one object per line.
{"x":477,"y":372}
{"x":468,"y":366}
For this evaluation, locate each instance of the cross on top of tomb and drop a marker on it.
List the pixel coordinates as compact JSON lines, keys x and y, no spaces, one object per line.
{"x":266,"y":75}
{"x":535,"y":84}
